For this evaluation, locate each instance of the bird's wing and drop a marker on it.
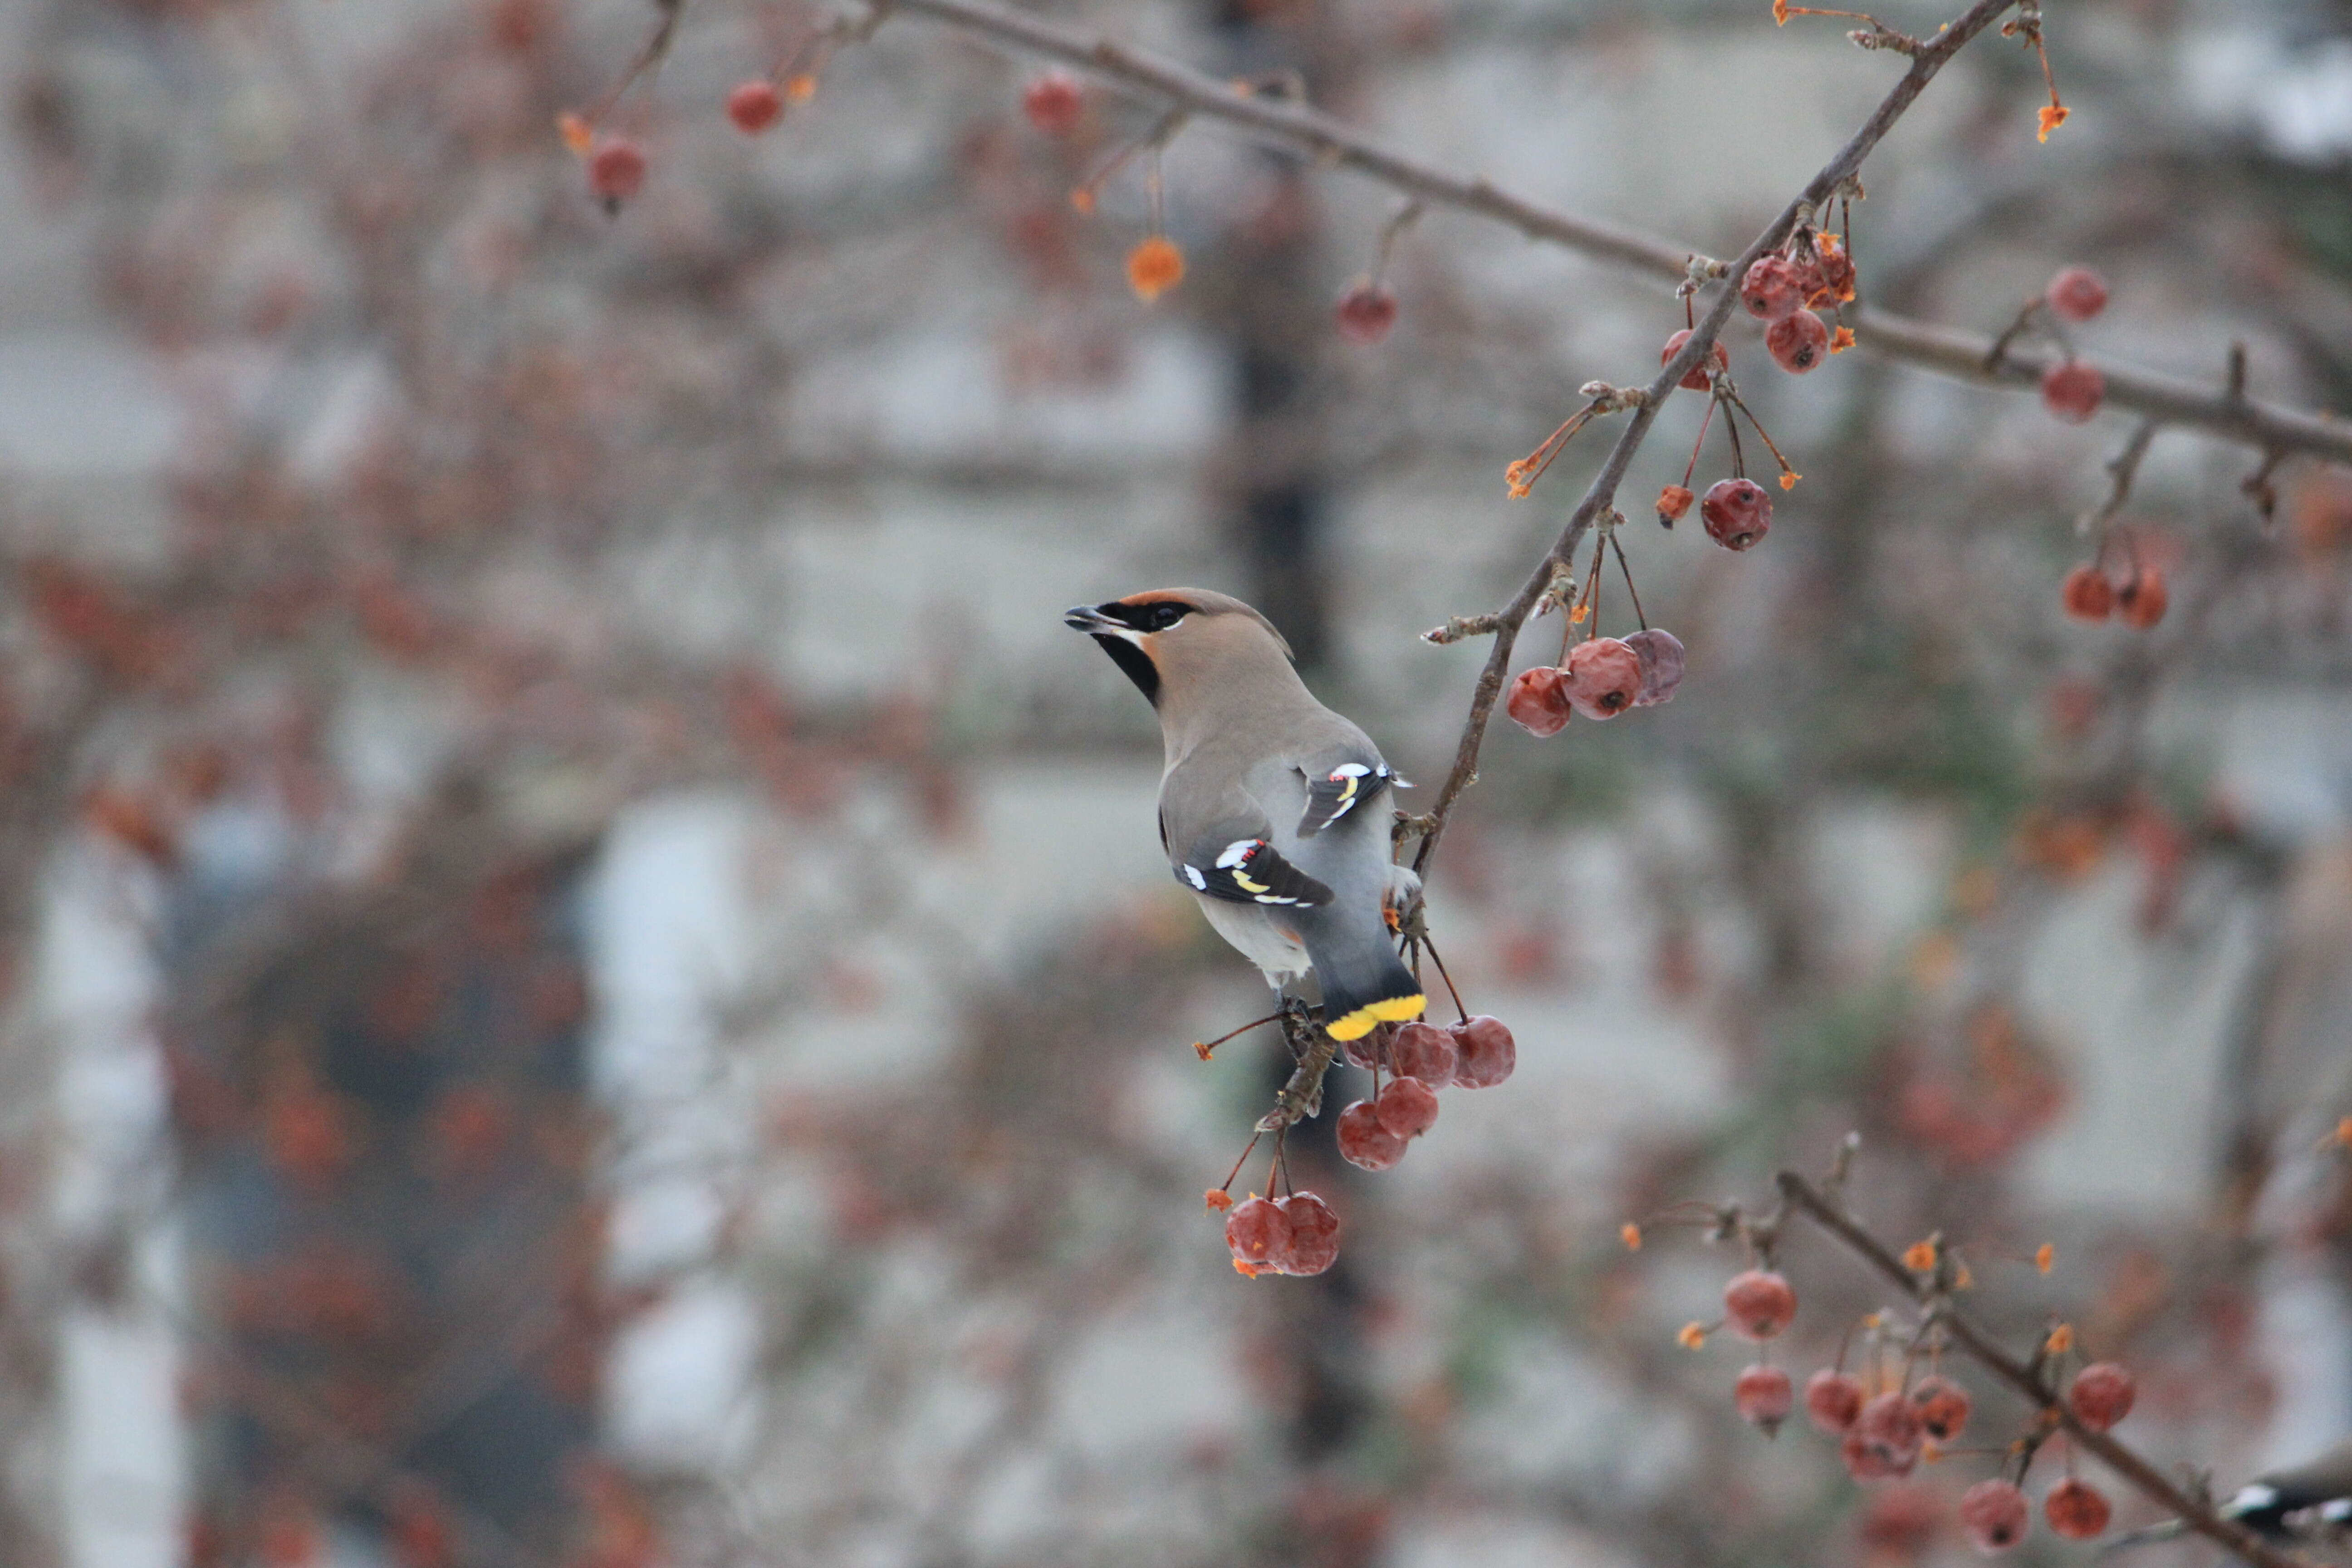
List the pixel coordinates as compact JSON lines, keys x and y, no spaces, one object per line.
{"x":1234,"y":859}
{"x":1333,"y":792}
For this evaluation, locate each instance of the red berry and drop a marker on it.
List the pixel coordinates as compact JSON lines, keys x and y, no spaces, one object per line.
{"x":1258,"y":1233}
{"x":754,"y":106}
{"x":1604,"y":676}
{"x":1772,"y":288}
{"x":1942,"y":1407}
{"x":1406,"y":1107}
{"x":2077,"y":293}
{"x":1737,"y":513}
{"x":1484,"y":1052}
{"x":1369,"y":1051}
{"x":2087,"y":594}
{"x":1423,"y":1051}
{"x":1834,"y":1399}
{"x":1899,"y":1523}
{"x":2073,"y":390}
{"x":616,"y":169}
{"x":1538,"y":701}
{"x":1365,"y":313}
{"x":2143,"y":598}
{"x":2076,"y":1509}
{"x":1314,"y":1234}
{"x":1674,"y":501}
{"x":1660,"y":653}
{"x":2101,"y":1395}
{"x":1364,"y":1142}
{"x":1883,"y":1439}
{"x":1055,"y":103}
{"x":1695,"y":377}
{"x":1995,"y":1515}
{"x":1797,"y":342}
{"x":1763,"y":1396}
{"x":1758,"y":1304}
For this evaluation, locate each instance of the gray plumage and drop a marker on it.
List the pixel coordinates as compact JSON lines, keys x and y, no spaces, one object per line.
{"x":1270,"y":805}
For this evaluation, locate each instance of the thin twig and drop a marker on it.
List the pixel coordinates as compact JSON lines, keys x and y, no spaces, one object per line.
{"x":1802,"y":1197}
{"x":1695,"y":348}
{"x":1947,"y":351}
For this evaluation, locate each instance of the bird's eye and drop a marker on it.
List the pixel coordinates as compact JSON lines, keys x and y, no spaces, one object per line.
{"x":1162,"y":616}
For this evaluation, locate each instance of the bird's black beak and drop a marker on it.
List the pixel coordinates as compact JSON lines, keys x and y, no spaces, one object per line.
{"x":1086,"y":618}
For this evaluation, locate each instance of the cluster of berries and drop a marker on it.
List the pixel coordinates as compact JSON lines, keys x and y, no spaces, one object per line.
{"x":2070,"y":389}
{"x":1787,"y":289}
{"x":1883,"y":1435}
{"x":1297,"y":1235}
{"x":2139,"y":600}
{"x":1600,"y":678}
{"x":1477,"y":1053}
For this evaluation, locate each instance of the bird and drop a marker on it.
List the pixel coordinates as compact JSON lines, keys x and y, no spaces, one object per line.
{"x":1266,"y":805}
{"x":2281,"y":1503}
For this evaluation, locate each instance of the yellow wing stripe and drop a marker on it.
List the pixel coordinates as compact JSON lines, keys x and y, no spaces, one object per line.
{"x":1392,"y":1010}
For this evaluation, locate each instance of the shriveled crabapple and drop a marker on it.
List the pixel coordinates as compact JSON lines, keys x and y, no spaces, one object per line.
{"x":1763,"y":1397}
{"x":1757,"y":1303}
{"x":1695,"y":377}
{"x":616,"y":169}
{"x":1364,"y":1142}
{"x":1832,"y":1399}
{"x":1539,"y":701}
{"x":1995,"y":1515}
{"x":1942,"y":1407}
{"x":2076,"y":1509}
{"x":2073,"y":390}
{"x":1484,"y":1052}
{"x":1883,"y":1439}
{"x":1054,"y":102}
{"x":1772,"y":288}
{"x":1604,"y":676}
{"x":2142,"y":598}
{"x":754,"y":106}
{"x":1660,"y":653}
{"x":1737,"y":513}
{"x":1258,"y":1232}
{"x":1369,"y":1051}
{"x":1406,"y":1107}
{"x":1313,"y":1234}
{"x":1831,"y":272}
{"x":2077,"y":293}
{"x":1674,"y":504}
{"x":2101,"y":1395}
{"x":1423,"y":1051}
{"x":1365,"y":313}
{"x":1797,"y":342}
{"x":2087,"y":594}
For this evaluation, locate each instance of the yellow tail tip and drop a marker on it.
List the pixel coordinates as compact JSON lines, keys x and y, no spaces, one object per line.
{"x":1391,"y":1010}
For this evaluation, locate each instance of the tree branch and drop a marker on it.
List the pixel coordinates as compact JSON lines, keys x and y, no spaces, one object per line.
{"x":1947,"y":351}
{"x":1804,"y":1198}
{"x":1598,"y":499}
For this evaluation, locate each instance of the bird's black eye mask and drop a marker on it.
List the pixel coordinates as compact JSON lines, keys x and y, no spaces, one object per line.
{"x":1155,"y":616}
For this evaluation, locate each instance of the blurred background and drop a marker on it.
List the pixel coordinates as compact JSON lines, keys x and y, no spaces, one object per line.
{"x":589,"y":982}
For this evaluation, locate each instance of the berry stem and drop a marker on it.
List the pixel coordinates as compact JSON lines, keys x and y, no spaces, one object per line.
{"x":1441,"y":974}
{"x":1205,"y":1047}
{"x":1236,"y":1171}
{"x":1632,"y":592}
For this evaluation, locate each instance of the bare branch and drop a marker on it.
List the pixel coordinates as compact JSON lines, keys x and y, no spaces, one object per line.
{"x":1947,"y":351}
{"x":1802,"y":1197}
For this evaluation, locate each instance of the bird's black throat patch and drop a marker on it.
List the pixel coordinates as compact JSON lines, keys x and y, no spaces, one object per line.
{"x":1136,"y":662}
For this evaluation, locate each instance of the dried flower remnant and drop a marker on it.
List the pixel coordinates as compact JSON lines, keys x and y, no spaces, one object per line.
{"x":1154,"y":267}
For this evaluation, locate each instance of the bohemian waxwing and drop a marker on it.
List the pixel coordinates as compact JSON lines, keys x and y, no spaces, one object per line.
{"x":1267,"y":807}
{"x":2310,"y":1499}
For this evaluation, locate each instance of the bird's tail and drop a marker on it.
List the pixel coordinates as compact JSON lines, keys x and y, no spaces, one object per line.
{"x":2170,"y":1529}
{"x":1364,"y":984}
